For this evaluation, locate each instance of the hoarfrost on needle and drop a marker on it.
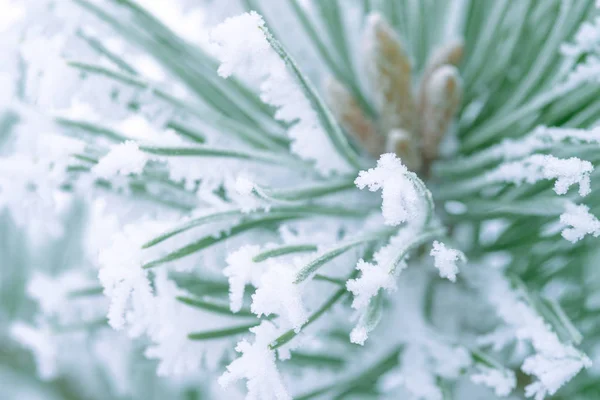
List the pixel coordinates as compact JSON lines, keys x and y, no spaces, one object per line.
{"x":123,"y":159}
{"x":241,"y":271}
{"x":580,"y":222}
{"x":502,"y":382}
{"x":240,"y":44}
{"x":534,"y":168}
{"x":278,"y":294}
{"x":446,"y":259}
{"x":257,"y":365}
{"x":400,"y":197}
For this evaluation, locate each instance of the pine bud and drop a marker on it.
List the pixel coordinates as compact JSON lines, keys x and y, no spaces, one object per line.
{"x":389,"y":73}
{"x":443,"y":92}
{"x":348,"y":112}
{"x":448,"y":54}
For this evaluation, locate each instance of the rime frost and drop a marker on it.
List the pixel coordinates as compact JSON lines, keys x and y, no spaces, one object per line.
{"x":242,"y":48}
{"x":586,"y":47}
{"x":580,"y":222}
{"x":241,"y":271}
{"x":541,"y":138}
{"x":445,"y":260}
{"x":144,"y":108}
{"x":376,"y":276}
{"x":532,"y":169}
{"x":553,"y":363}
{"x":503,"y":382}
{"x":123,"y":159}
{"x":124,"y":280}
{"x":421,"y":362}
{"x":373,"y":278}
{"x":171,"y":323}
{"x":400,"y":197}
{"x":277,"y":293}
{"x":242,"y":192}
{"x":257,"y":365}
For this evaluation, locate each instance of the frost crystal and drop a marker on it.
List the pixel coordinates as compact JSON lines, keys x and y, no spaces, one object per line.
{"x":400,"y":197}
{"x":123,"y":159}
{"x":553,"y":363}
{"x":532,"y":169}
{"x":416,"y":375}
{"x":172,"y":322}
{"x":587,"y":48}
{"x":257,"y":366}
{"x":242,"y":192}
{"x":587,"y":40}
{"x":372,"y":279}
{"x":124,"y":280}
{"x":445,"y":260}
{"x":240,"y":271}
{"x":261,"y":196}
{"x":541,"y":138}
{"x":278,"y":294}
{"x":243,"y":49}
{"x":580,"y":222}
{"x":553,"y":370}
{"x":381,"y":274}
{"x":503,"y":382}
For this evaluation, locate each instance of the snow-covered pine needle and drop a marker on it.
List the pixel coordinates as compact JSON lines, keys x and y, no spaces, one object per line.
{"x":553,"y":363}
{"x":503,"y":382}
{"x":243,"y":48}
{"x":401,"y":200}
{"x":241,"y":271}
{"x":567,"y":172}
{"x":242,"y":191}
{"x":123,"y":159}
{"x":256,"y":364}
{"x":278,"y":293}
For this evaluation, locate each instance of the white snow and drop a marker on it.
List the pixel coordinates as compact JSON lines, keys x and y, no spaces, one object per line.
{"x":534,"y":168}
{"x":446,"y":259}
{"x":257,"y":365}
{"x":580,"y":222}
{"x":241,"y":46}
{"x":400,"y":197}
{"x":123,"y":159}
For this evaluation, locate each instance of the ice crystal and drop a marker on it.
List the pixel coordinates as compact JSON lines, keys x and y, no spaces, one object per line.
{"x":553,"y":363}
{"x":241,"y":271}
{"x":242,"y":47}
{"x":257,"y":365}
{"x":567,"y":172}
{"x":446,"y":260}
{"x":277,"y":293}
{"x":178,"y":177}
{"x":502,"y":382}
{"x":400,"y":197}
{"x":124,"y":159}
{"x":580,"y":223}
{"x":124,"y":280}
